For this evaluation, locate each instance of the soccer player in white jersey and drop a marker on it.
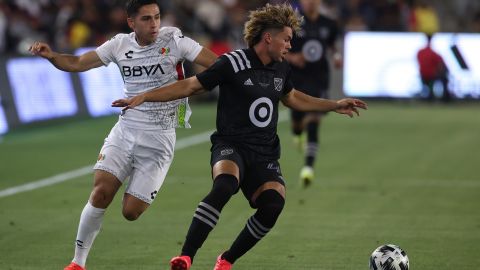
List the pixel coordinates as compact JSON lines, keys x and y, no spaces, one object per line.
{"x":141,"y":143}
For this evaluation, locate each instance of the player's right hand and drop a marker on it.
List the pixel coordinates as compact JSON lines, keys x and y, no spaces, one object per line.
{"x":349,"y":106}
{"x":41,"y":49}
{"x":129,"y":103}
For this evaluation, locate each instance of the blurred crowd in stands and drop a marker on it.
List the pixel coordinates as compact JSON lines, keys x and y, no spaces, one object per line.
{"x":70,"y":24}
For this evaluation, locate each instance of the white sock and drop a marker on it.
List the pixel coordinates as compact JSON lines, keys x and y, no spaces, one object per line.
{"x":88,"y":228}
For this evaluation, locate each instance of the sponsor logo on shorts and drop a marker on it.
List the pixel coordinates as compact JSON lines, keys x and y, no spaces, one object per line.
{"x":226,"y":152}
{"x":101,"y":157}
{"x":273,"y":166}
{"x":153,"y":194}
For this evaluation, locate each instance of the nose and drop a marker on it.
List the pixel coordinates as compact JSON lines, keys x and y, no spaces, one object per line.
{"x":154,"y":23}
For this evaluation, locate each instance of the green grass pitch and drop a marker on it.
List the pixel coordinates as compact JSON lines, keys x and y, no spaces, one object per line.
{"x":402,"y":173}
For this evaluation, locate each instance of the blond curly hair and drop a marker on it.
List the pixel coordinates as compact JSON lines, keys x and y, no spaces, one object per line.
{"x":270,"y":17}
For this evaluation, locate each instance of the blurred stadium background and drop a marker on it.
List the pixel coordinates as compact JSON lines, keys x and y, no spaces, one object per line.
{"x":405,"y":172}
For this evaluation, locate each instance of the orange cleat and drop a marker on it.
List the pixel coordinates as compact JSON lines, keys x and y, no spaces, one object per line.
{"x":180,"y":263}
{"x":222,"y":264}
{"x":74,"y":266}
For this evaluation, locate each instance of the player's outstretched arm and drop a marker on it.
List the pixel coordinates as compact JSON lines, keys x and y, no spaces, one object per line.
{"x":205,"y":58}
{"x":66,"y":62}
{"x":179,"y":89}
{"x":299,"y":101}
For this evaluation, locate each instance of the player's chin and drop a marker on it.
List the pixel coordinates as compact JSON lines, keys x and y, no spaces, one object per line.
{"x":154,"y":36}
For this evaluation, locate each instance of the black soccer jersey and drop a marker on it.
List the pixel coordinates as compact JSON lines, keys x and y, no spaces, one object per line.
{"x":247,"y":110}
{"x":313,"y":40}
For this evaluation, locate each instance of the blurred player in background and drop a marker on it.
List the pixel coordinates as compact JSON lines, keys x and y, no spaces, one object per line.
{"x":141,"y":144}
{"x":311,"y":48}
{"x":245,"y":147}
{"x":432,"y":70}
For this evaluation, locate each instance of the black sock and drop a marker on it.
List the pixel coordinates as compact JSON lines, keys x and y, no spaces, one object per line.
{"x":270,"y":204}
{"x":312,"y":143}
{"x":297,"y":122}
{"x":207,"y":213}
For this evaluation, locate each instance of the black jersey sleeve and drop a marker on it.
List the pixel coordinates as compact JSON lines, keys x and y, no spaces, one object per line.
{"x":288,"y":86}
{"x":215,"y":74}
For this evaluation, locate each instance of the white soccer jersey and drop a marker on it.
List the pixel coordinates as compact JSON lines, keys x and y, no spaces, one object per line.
{"x":146,"y":67}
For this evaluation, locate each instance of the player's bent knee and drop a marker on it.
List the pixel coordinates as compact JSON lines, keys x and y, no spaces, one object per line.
{"x":101,"y":197}
{"x":225,"y":184}
{"x":272,"y":185}
{"x":133,"y":207}
{"x":271,"y":201}
{"x":270,"y":204}
{"x":105,"y":187}
{"x":131,"y":215}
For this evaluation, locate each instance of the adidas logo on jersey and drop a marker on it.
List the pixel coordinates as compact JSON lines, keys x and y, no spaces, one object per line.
{"x":248,"y":82}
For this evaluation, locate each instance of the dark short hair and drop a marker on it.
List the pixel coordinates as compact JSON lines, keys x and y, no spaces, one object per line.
{"x":132,"y":6}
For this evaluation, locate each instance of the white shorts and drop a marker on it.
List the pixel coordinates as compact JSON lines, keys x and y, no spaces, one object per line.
{"x":144,"y":155}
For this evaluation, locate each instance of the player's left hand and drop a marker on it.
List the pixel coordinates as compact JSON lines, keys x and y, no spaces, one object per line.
{"x":338,"y":62}
{"x":349,"y":106}
{"x":129,"y":103}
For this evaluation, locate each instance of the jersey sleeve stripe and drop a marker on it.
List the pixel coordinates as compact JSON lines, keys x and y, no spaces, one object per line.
{"x":239,"y":59}
{"x":244,"y":56}
{"x":180,"y":71}
{"x":234,"y":64}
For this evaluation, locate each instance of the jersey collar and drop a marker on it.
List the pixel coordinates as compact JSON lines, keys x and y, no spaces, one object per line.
{"x":255,"y":60}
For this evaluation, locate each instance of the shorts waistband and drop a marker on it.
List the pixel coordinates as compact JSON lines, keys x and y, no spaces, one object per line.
{"x":126,"y":124}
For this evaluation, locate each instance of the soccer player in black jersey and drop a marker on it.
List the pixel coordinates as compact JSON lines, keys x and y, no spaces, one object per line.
{"x":245,"y":147}
{"x":312,"y":46}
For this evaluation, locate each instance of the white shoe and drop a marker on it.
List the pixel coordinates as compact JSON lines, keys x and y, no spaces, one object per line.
{"x":306,"y":176}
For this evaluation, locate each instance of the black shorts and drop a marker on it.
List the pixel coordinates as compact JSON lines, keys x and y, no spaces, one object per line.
{"x":254,"y":171}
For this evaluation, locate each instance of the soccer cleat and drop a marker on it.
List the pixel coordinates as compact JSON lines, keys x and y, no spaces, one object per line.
{"x":306,"y":176}
{"x":74,"y":266}
{"x":222,"y":264}
{"x":180,"y":263}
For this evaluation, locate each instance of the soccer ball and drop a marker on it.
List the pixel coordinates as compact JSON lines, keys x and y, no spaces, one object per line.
{"x":389,"y":257}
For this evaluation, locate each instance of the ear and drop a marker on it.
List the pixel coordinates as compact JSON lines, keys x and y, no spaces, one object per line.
{"x":131,"y":23}
{"x":268,"y":37}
